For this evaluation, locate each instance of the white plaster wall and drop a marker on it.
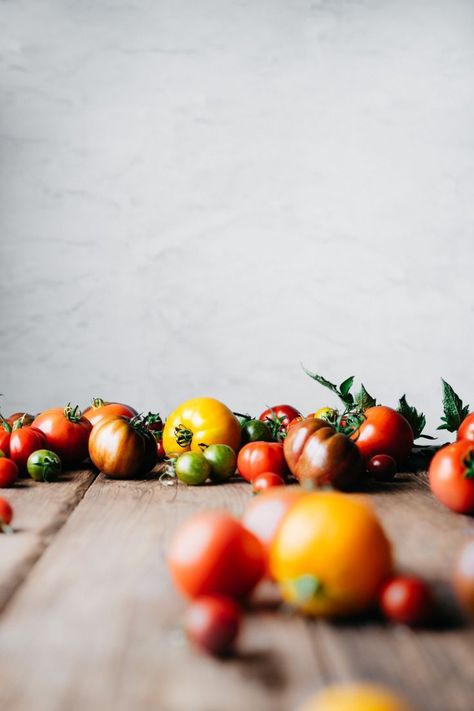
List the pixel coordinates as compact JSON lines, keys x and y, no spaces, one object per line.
{"x":198,"y":195}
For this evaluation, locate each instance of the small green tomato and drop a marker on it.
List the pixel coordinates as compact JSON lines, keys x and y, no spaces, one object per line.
{"x":192,"y":468}
{"x":222,"y":460}
{"x":43,"y":465}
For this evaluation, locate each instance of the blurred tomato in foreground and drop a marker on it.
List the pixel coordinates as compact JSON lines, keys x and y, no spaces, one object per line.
{"x":407,"y":600}
{"x":356,"y":697}
{"x":463,"y":577}
{"x":212,"y":624}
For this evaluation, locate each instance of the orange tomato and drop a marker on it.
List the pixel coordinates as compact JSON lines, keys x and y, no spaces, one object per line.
{"x":355,"y":697}
{"x":197,"y":422}
{"x":330,"y":555}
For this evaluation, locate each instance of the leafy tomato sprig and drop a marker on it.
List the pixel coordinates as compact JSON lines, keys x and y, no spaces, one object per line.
{"x":454,"y":411}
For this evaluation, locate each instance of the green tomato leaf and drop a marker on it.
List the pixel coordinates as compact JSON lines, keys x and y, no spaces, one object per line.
{"x":342,"y":392}
{"x":454,"y":411}
{"x":417,"y":420}
{"x":363,"y":399}
{"x":345,"y":386}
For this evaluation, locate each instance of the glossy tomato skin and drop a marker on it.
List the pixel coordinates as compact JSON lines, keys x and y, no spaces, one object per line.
{"x":122,"y":450}
{"x":463,"y":577}
{"x":192,"y":468}
{"x":8,"y":472}
{"x":222,"y":460}
{"x":383,"y":467}
{"x":255,"y":431}
{"x":451,"y":479}
{"x":407,"y":600}
{"x":278,"y":418}
{"x":356,"y":696}
{"x":258,"y":457}
{"x":319,"y":455}
{"x":212,"y":553}
{"x":6,"y":515}
{"x":100,"y":410}
{"x":200,"y":421}
{"x":384,"y":431}
{"x":67,"y":433}
{"x":23,"y":442}
{"x":212,"y":624}
{"x":266,"y":480}
{"x":466,"y":429}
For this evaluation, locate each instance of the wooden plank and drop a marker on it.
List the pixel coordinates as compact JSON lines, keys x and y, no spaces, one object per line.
{"x":40,"y":511}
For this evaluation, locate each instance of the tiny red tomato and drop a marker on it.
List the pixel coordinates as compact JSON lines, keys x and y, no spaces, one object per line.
{"x":466,"y":428}
{"x":6,"y":515}
{"x":451,"y":476}
{"x":278,"y":418}
{"x":67,"y":433}
{"x":23,"y":442}
{"x":258,"y":457}
{"x":212,"y":623}
{"x":463,"y":577}
{"x":383,"y":467}
{"x":8,"y":472}
{"x":407,"y":600}
{"x":266,"y":480}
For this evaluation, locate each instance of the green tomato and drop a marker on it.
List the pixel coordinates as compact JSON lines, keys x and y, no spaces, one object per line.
{"x":192,"y":468}
{"x":222,"y":460}
{"x":43,"y":465}
{"x":255,"y":431}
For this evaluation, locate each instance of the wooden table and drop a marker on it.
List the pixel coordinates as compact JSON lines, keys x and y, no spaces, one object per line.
{"x":89,"y":619}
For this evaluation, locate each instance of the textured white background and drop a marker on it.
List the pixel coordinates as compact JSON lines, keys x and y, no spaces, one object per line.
{"x":196,"y":196}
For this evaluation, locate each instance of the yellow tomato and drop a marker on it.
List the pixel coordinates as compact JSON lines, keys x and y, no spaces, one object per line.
{"x":355,"y":697}
{"x":330,"y":554}
{"x":202,"y":420}
{"x":325,"y":413}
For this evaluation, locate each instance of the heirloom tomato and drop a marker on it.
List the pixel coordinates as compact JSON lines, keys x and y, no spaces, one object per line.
{"x":330,"y":555}
{"x":278,"y":418}
{"x":212,"y":623}
{"x":356,"y":697}
{"x":466,"y":428}
{"x":384,"y":431}
{"x":100,"y":410}
{"x":122,"y":448}
{"x":6,"y":515}
{"x":407,"y":600}
{"x":316,"y":454}
{"x":258,"y":457}
{"x":198,"y":422}
{"x":212,"y":553}
{"x":451,"y":476}
{"x":8,"y":472}
{"x":43,"y":465}
{"x":67,"y":433}
{"x":463,"y":577}
{"x":24,"y":441}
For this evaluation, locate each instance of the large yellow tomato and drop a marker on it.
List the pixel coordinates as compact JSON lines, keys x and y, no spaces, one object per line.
{"x":202,"y":420}
{"x":330,"y":555}
{"x":355,"y":697}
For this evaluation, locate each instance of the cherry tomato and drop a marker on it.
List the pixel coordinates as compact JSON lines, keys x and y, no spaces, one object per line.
{"x":463,"y":577}
{"x":24,"y":441}
{"x":5,"y":434}
{"x":6,"y":515}
{"x":383,"y":467}
{"x":255,"y":431}
{"x":212,"y":624}
{"x":212,"y":553}
{"x":67,"y":433}
{"x":265,"y":481}
{"x":122,"y":448}
{"x":8,"y":472}
{"x":384,"y":431}
{"x":326,"y":413}
{"x":25,"y":417}
{"x":451,"y":476}
{"x":153,"y":422}
{"x":407,"y":600}
{"x":222,"y":460}
{"x":101,"y":410}
{"x":278,"y":418}
{"x":258,"y":457}
{"x":192,"y":468}
{"x":466,"y":428}
{"x":43,"y":465}
{"x":160,"y":450}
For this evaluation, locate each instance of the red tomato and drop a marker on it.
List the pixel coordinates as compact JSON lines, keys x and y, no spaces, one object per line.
{"x":383,"y":467}
{"x":265,"y":481}
{"x":466,"y":428}
{"x":6,"y":515}
{"x":258,"y":457}
{"x":23,"y":442}
{"x":100,"y":410}
{"x":451,"y":476}
{"x":407,"y":600}
{"x":5,"y":434}
{"x":212,"y":623}
{"x":278,"y":418}
{"x":8,"y":472}
{"x":67,"y":433}
{"x":463,"y":577}
{"x":212,"y":553}
{"x":384,"y":431}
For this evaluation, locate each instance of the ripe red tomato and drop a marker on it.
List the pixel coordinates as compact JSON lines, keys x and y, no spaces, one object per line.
{"x":122,"y":448}
{"x":8,"y":472}
{"x":383,"y":467}
{"x":407,"y":600}
{"x":463,"y":577}
{"x":384,"y":431}
{"x":258,"y":457}
{"x":265,"y":481}
{"x":451,"y":476}
{"x":23,"y":442}
{"x":278,"y":419}
{"x":101,"y":410}
{"x":212,"y":623}
{"x":466,"y":428}
{"x":6,"y":515}
{"x":212,"y":553}
{"x":5,"y":434}
{"x":67,"y":433}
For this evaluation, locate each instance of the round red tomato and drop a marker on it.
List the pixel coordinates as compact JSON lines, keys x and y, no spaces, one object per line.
{"x":407,"y":600}
{"x":384,"y":431}
{"x":265,"y":481}
{"x":258,"y":457}
{"x":466,"y":428}
{"x":101,"y":410}
{"x":122,"y":448}
{"x":278,"y":419}
{"x":451,"y":476}
{"x":23,"y":442}
{"x":383,"y":467}
{"x":212,"y":553}
{"x":8,"y":472}
{"x":212,"y":623}
{"x":6,"y":515}
{"x":67,"y":433}
{"x":5,"y":434}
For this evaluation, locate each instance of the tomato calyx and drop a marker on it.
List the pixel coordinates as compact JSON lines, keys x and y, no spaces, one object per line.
{"x":346,"y":422}
{"x":19,"y":423}
{"x":97,"y":402}
{"x":307,"y":587}
{"x":468,"y":462}
{"x":183,"y":436}
{"x":73,"y":414}
{"x":5,"y":424}
{"x":153,"y":421}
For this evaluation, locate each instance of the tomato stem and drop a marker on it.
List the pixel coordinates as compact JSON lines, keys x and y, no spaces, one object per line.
{"x":183,"y":435}
{"x":6,"y":425}
{"x":97,"y":402}
{"x":307,"y":587}
{"x":72,"y":414}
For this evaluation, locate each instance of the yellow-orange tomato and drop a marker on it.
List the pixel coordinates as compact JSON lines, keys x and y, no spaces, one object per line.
{"x":325,"y":413}
{"x":201,"y":421}
{"x":356,"y":697}
{"x":330,"y":555}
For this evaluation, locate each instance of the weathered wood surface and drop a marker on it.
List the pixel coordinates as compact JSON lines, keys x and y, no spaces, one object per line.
{"x":90,"y":620}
